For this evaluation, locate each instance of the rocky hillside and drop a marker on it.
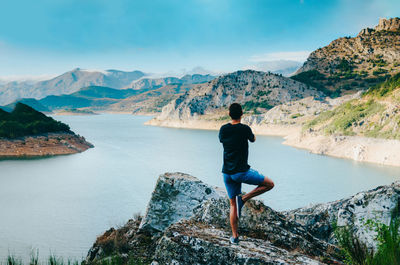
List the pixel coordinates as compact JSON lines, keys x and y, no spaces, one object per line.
{"x":376,"y":114}
{"x":354,"y":63}
{"x":187,"y":222}
{"x":66,"y":83}
{"x":256,"y":91}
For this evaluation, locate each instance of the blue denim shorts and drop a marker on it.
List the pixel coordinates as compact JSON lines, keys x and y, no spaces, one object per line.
{"x":233,"y":183}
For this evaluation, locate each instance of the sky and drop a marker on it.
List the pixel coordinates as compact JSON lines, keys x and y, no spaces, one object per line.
{"x":48,"y":37}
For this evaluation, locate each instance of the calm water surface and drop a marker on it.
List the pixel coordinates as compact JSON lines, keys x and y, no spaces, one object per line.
{"x":61,"y":204}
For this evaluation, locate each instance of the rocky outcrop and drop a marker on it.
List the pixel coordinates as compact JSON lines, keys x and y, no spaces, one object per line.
{"x":49,"y":144}
{"x":355,"y":63}
{"x":174,"y":198}
{"x":392,"y":24}
{"x":376,"y":204}
{"x":187,"y":222}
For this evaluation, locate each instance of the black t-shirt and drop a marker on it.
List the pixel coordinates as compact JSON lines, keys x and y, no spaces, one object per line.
{"x":236,"y":148}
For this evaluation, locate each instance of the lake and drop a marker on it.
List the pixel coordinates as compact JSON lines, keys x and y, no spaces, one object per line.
{"x":61,"y":204}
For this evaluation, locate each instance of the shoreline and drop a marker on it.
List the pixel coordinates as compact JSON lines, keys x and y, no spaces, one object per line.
{"x":357,"y":148}
{"x":41,"y":146}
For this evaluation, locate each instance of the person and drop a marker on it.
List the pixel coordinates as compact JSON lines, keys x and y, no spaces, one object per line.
{"x":234,"y":137}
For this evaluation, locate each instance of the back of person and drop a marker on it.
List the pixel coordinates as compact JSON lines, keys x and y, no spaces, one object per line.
{"x":234,"y":139}
{"x":236,"y":170}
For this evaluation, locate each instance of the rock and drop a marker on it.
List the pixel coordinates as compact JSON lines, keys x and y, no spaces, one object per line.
{"x":376,"y":204}
{"x":392,"y":24}
{"x":187,"y":222}
{"x":195,"y":243}
{"x":174,"y":198}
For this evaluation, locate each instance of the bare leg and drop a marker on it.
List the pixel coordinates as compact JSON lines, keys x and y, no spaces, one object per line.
{"x":233,"y":217}
{"x":267,"y":185}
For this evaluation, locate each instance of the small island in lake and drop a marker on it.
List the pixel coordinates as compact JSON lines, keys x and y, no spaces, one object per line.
{"x":25,"y":132}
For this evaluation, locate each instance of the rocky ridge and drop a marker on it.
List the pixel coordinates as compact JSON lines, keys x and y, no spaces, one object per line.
{"x":186,"y":222}
{"x":354,"y":63}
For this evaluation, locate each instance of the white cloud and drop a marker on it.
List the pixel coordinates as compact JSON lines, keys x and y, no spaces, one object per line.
{"x":299,"y":56}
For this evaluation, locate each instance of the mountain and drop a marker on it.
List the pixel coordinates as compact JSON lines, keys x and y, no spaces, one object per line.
{"x":256,"y":91}
{"x":355,"y":63}
{"x":67,"y":83}
{"x":151,"y":101}
{"x":92,"y":96}
{"x":160,"y":92}
{"x":147,"y":95}
{"x":154,"y":83}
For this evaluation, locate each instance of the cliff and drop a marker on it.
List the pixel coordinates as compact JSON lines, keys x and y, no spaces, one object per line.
{"x":355,"y":63}
{"x":186,"y":222}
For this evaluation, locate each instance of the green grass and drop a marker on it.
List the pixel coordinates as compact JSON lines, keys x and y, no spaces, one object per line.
{"x":341,"y":119}
{"x":55,"y":260}
{"x":34,"y":260}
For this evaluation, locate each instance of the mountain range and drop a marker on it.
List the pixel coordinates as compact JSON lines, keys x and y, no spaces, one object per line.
{"x":131,"y":99}
{"x":67,"y":83}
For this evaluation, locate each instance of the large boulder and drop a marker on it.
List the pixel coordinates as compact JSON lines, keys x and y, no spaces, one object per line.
{"x":174,"y":198}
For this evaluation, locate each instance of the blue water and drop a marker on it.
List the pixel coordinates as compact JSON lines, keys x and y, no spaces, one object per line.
{"x":61,"y":204}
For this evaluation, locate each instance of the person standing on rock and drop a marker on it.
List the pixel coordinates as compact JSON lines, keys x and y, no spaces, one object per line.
{"x":234,"y":137}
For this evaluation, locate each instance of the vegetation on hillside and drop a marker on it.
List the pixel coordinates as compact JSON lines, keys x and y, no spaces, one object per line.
{"x":374,"y":115}
{"x":24,"y":121}
{"x":386,"y":88}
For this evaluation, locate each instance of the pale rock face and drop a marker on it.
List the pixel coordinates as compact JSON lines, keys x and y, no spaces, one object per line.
{"x":174,"y":198}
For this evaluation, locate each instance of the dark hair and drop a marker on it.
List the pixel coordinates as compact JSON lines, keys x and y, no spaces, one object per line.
{"x":235,"y":111}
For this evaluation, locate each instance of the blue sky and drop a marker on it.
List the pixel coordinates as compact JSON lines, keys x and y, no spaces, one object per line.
{"x":54,"y":36}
